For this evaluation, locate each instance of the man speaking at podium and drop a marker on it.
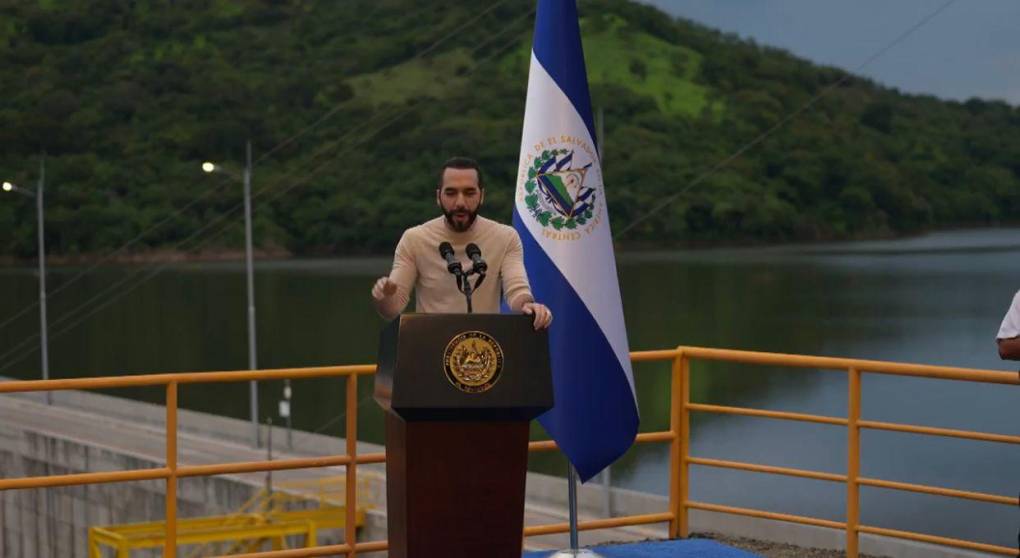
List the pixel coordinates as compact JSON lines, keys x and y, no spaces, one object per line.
{"x":422,"y":260}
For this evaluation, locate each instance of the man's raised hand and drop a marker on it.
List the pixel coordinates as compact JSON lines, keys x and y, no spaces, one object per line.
{"x":383,"y":288}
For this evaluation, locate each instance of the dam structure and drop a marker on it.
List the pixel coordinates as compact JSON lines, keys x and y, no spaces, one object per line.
{"x":87,"y":470}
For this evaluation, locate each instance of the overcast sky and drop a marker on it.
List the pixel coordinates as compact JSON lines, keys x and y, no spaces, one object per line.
{"x":972,"y":49}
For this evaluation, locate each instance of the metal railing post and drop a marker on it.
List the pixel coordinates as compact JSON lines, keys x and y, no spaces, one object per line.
{"x":679,"y":426}
{"x":351,"y":498}
{"x":853,"y":467}
{"x":685,"y":435}
{"x":674,"y":446}
{"x":170,"y":544}
{"x":269,"y":457}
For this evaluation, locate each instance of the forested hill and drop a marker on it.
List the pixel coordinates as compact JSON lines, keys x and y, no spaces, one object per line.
{"x":128,"y":98}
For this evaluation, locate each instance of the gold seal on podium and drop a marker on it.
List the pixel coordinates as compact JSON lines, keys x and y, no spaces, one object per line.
{"x":473,"y":361}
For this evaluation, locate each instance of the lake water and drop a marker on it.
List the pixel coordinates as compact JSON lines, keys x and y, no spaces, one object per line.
{"x":936,"y":299}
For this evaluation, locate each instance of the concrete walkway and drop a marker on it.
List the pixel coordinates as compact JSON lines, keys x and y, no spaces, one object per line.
{"x":136,"y":429}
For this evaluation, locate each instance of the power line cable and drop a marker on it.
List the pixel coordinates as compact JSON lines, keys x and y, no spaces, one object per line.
{"x":761,"y":137}
{"x":337,"y":418}
{"x":419,"y":54}
{"x":411,"y":106}
{"x":110,"y":255}
{"x":336,"y":108}
{"x":121,"y":288}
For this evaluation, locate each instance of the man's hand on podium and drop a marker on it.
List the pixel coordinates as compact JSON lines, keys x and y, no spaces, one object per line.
{"x":383,"y":288}
{"x":543,"y":316}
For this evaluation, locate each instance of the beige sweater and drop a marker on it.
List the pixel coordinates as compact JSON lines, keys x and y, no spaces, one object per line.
{"x":417,"y":265}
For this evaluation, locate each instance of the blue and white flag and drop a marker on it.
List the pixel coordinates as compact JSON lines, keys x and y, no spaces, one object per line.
{"x":561,"y":215}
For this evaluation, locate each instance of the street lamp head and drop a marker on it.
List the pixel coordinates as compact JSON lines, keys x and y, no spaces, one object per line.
{"x":12,"y":187}
{"x":208,"y":167}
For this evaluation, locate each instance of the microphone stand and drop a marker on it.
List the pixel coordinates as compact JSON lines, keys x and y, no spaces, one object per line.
{"x":465,"y":288}
{"x":464,"y":285}
{"x":464,"y":279}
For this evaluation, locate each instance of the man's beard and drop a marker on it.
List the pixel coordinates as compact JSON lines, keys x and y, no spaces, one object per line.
{"x":460,"y":226}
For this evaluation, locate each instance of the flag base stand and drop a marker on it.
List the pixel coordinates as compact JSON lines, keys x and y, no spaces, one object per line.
{"x":582,"y":552}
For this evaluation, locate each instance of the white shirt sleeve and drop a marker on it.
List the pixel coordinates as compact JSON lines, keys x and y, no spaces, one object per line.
{"x":1010,"y":327}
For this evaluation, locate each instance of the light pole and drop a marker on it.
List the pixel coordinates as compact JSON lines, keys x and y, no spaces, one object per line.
{"x":252,"y":347}
{"x":38,"y":195}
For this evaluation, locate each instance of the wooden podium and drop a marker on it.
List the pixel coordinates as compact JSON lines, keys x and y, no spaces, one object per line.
{"x":459,"y":391}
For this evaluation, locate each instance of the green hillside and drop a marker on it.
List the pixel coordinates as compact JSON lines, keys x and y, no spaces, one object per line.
{"x":618,"y":53}
{"x":351,"y":105}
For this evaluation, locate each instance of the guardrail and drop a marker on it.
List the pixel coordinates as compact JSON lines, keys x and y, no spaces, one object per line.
{"x":681,"y":460}
{"x":677,"y":436}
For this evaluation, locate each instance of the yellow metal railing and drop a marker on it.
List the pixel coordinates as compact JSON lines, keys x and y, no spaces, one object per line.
{"x":172,"y":471}
{"x":677,"y":436}
{"x":682,"y":406}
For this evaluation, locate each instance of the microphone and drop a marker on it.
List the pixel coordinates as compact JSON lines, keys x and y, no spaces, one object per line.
{"x":452,"y":265}
{"x":475,"y":254}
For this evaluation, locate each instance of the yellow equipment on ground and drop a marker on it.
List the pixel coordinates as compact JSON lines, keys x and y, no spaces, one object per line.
{"x":273,"y":518}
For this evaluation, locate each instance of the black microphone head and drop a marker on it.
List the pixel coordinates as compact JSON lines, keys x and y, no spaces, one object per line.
{"x":452,"y":265}
{"x":445,"y":249}
{"x":475,"y":254}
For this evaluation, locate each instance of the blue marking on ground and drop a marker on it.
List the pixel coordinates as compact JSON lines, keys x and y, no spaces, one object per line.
{"x":690,"y":548}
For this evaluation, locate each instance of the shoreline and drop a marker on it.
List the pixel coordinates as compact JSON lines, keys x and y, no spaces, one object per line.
{"x":282,"y":254}
{"x":151,"y":256}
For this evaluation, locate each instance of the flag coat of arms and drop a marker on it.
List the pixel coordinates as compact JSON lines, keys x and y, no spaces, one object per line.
{"x":561,"y":215}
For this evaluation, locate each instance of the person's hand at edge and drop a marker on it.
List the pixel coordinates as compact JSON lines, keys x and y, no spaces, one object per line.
{"x":543,"y":316}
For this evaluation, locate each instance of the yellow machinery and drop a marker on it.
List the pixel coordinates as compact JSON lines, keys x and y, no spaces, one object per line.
{"x":273,"y":518}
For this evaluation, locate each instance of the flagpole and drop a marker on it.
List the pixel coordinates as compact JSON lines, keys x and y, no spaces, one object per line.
{"x":573,"y":551}
{"x":600,"y":136}
{"x":572,"y":496}
{"x":568,"y":254}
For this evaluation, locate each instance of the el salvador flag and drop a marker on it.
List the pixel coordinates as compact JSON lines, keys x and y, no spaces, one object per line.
{"x":561,"y":215}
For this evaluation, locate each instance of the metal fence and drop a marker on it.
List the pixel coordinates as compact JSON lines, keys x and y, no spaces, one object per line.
{"x":677,"y":436}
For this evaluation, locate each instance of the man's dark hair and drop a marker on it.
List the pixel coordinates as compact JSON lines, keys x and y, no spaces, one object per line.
{"x":460,"y":163}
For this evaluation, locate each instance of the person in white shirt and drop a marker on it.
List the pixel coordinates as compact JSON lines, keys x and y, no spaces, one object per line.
{"x":418,"y":267}
{"x":1009,"y":332}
